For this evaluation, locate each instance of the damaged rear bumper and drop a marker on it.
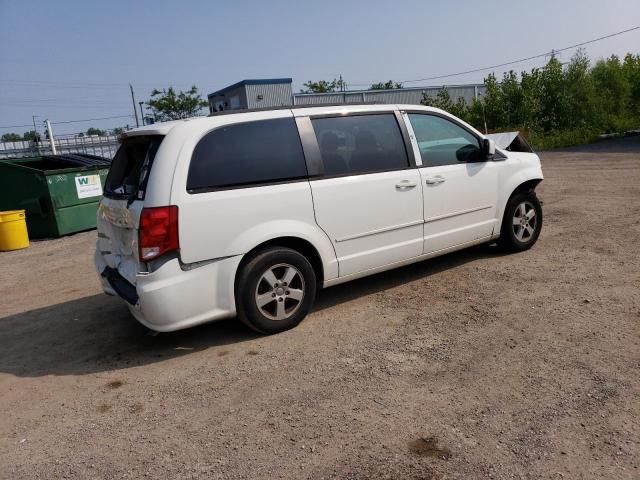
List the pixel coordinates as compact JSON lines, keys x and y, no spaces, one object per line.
{"x":172,"y":298}
{"x":120,"y":286}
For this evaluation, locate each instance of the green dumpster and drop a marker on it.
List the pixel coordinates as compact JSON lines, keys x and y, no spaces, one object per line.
{"x":60,"y":193}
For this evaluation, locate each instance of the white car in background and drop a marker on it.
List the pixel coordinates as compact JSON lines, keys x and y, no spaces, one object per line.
{"x":249,"y":213}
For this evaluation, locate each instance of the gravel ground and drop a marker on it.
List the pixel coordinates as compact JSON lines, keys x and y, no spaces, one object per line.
{"x":472,"y":365}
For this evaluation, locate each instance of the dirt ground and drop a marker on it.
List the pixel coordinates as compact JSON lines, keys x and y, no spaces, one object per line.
{"x":473,"y":365}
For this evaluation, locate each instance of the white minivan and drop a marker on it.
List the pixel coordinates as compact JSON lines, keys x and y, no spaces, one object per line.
{"x":250,"y":213}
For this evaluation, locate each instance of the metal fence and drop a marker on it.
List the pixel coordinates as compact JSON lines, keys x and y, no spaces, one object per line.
{"x":103,"y":146}
{"x":412,"y":95}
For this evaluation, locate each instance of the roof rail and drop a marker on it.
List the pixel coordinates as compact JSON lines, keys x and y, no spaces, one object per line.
{"x":290,"y":107}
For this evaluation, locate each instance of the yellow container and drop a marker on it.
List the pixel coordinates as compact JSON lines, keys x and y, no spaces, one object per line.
{"x":13,"y":230}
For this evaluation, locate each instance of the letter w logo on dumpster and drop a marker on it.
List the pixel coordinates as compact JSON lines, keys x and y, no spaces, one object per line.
{"x":88,"y":186}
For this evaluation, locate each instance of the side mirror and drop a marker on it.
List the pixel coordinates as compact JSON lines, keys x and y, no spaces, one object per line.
{"x":488,"y":147}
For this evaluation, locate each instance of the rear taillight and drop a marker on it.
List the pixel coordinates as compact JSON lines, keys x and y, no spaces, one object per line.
{"x":158,"y":232}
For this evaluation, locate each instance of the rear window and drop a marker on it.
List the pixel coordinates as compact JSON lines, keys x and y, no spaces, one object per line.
{"x":246,"y":154}
{"x":131,"y":166}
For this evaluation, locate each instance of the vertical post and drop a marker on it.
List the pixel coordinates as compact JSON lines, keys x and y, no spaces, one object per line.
{"x":484,"y":117}
{"x":133,"y":100}
{"x":141,"y":114}
{"x":35,"y":134}
{"x":51,"y":139}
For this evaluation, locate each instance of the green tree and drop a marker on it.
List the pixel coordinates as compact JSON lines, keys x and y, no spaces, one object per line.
{"x":612,"y":86}
{"x":631,"y":69}
{"x":11,"y":137}
{"x":579,"y":93}
{"x":552,"y":96}
{"x":494,"y":104}
{"x":560,"y":104}
{"x":167,"y":104}
{"x":96,"y":131}
{"x":117,"y":131}
{"x":530,"y":85}
{"x":324,"y":86}
{"x":388,"y":85}
{"x":32,"y":136}
{"x":513,"y":98}
{"x":443,"y":101}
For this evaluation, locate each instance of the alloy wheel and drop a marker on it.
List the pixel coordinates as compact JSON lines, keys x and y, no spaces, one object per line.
{"x":280,"y":292}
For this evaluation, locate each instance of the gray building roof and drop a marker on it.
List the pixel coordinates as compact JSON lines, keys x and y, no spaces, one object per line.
{"x":244,"y":83}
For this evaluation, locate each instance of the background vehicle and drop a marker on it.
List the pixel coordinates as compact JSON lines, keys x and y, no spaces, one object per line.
{"x":251,"y":212}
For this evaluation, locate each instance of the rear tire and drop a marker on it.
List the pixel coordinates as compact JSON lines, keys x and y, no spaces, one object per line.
{"x":275,"y":290}
{"x":522,"y":222}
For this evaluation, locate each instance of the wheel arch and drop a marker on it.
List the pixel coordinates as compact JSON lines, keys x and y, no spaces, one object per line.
{"x":526,"y":186}
{"x":522,"y":182}
{"x":301,"y":245}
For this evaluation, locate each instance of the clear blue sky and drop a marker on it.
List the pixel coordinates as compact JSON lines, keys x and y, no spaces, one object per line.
{"x":67,"y":60}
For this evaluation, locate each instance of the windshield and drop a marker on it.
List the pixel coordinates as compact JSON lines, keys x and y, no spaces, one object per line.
{"x":131,"y":166}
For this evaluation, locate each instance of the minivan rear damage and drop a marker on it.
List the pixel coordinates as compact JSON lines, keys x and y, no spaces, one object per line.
{"x":131,"y":167}
{"x":119,"y":213}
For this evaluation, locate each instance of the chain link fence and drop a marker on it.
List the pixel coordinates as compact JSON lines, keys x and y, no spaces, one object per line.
{"x":103,"y":146}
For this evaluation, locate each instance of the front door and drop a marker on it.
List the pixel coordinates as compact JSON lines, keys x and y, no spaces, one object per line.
{"x":369,"y":199}
{"x":460,"y":186}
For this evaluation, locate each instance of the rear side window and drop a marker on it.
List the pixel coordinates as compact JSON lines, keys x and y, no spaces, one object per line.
{"x":131,"y":165}
{"x":251,"y":153}
{"x":360,"y":144}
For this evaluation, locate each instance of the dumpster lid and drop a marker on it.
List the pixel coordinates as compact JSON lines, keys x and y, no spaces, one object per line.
{"x":68,"y":160}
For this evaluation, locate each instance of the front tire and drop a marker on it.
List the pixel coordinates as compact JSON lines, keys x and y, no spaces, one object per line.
{"x":275,"y":290}
{"x":522,"y":222}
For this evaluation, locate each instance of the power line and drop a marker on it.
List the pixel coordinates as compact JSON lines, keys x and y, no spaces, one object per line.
{"x":82,"y":85}
{"x":17,"y":126}
{"x":72,"y":121}
{"x":93,"y":119}
{"x":475,"y":70}
{"x":63,"y":84}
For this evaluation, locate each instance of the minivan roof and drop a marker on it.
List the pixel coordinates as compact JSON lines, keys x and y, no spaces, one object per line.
{"x":164,"y":128}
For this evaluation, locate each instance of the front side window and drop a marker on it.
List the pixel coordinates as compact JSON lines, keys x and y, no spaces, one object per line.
{"x":360,"y":144}
{"x":442,"y":142}
{"x":249,"y":153}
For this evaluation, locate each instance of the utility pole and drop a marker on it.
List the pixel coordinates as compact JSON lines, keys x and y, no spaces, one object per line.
{"x":141,"y":114}
{"x":51,"y":139}
{"x":35,"y":134}
{"x":135,"y":111}
{"x":342,"y":89}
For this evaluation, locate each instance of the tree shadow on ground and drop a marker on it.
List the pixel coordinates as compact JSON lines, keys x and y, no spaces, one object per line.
{"x":97,"y":333}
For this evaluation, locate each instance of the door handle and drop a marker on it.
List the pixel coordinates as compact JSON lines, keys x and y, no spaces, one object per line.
{"x":437,"y":180}
{"x":406,"y":185}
